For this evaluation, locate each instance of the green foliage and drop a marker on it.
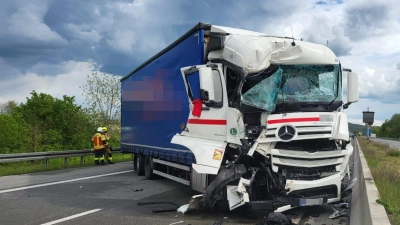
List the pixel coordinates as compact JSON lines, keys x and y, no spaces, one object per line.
{"x":393,"y":152}
{"x":390,"y":128}
{"x":386,"y":204}
{"x":45,"y":123}
{"x":8,"y":107}
{"x":15,"y":134}
{"x":355,"y":128}
{"x":102,"y":97}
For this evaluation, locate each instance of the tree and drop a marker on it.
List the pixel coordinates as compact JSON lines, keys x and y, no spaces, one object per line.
{"x":56,"y":124}
{"x":102,"y":97}
{"x":375,"y":130}
{"x":7,"y":108}
{"x":102,"y":94}
{"x":15,"y":134}
{"x":391,"y":128}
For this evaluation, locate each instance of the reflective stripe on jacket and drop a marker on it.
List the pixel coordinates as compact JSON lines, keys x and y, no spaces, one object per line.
{"x":98,"y":141}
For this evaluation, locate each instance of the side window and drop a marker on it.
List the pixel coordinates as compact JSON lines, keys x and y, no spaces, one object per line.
{"x":193,"y":83}
{"x":217,"y":86}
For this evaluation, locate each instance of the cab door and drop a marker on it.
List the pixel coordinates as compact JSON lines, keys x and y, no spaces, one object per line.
{"x":208,"y":104}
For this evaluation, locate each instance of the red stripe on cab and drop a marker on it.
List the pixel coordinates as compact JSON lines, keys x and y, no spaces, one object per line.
{"x":207,"y":122}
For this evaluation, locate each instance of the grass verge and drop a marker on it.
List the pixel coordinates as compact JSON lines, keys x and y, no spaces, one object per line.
{"x":54,"y":164}
{"x":384,"y":163}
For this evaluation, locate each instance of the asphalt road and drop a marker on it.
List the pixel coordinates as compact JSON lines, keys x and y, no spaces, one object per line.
{"x":109,"y":195}
{"x":392,"y":144}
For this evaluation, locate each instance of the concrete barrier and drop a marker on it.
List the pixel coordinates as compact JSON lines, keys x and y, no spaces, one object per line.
{"x":364,"y":209}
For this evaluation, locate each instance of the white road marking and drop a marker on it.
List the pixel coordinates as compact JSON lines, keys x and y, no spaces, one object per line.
{"x":61,"y":182}
{"x":176,"y":223}
{"x":71,"y":217}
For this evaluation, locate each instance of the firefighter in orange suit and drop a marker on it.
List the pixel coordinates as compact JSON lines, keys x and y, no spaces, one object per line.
{"x":99,"y":142}
{"x":108,"y":146}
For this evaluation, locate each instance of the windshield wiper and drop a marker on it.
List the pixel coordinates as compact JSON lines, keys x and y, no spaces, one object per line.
{"x":332,"y":101}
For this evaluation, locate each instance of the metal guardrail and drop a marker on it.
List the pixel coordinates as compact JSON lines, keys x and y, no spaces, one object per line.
{"x":20,"y":157}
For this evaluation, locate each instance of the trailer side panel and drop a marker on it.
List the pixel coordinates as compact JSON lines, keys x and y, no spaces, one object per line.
{"x":155,"y":103}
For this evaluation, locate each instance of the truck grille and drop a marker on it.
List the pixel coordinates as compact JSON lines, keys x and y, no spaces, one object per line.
{"x":303,"y":132}
{"x":303,"y":160}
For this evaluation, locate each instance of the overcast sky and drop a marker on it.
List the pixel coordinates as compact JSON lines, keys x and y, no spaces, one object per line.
{"x":51,"y":45}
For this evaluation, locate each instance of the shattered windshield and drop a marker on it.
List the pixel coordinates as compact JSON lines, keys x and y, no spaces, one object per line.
{"x":295,"y":83}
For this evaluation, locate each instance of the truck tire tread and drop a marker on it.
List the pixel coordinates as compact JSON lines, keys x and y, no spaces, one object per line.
{"x":139,"y":158}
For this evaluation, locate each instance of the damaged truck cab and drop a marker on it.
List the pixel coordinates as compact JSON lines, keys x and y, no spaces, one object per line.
{"x":267,"y":125}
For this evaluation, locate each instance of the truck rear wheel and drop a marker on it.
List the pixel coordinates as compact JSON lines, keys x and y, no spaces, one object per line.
{"x":138,"y":164}
{"x":148,"y":168}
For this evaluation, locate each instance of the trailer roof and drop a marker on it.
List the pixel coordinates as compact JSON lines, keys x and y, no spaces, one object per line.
{"x":210,"y":29}
{"x":198,"y":26}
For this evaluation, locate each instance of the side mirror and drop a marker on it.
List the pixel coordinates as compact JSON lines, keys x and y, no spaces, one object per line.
{"x":352,"y":87}
{"x":206,"y":83}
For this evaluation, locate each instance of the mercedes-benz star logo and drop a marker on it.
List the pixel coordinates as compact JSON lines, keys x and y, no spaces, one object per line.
{"x":286,"y":132}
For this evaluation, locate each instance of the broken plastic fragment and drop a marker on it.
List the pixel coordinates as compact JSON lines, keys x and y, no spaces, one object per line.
{"x":337,"y":213}
{"x":193,"y":204}
{"x":342,"y":205}
{"x":183,"y":209}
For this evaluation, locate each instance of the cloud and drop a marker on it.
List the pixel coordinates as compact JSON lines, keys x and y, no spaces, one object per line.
{"x":118,"y":34}
{"x":25,"y":34}
{"x":322,"y":31}
{"x":65,"y":79}
{"x":370,"y":19}
{"x":26,"y":25}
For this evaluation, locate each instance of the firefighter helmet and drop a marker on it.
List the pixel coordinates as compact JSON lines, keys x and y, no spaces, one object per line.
{"x":104,"y":128}
{"x":99,"y":129}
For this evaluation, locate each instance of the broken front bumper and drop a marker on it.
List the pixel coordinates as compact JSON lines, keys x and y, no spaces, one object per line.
{"x":238,"y":196}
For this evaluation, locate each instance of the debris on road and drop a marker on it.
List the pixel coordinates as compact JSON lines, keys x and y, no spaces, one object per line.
{"x":218,"y":223}
{"x":161,"y":202}
{"x":193,"y":204}
{"x":342,"y":205}
{"x":337,"y":213}
{"x":278,"y":219}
